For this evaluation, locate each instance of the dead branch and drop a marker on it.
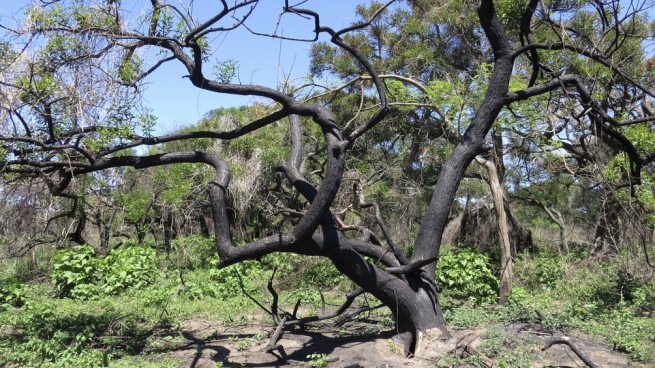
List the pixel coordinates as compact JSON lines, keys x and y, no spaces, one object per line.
{"x":272,"y":344}
{"x":350,"y":297}
{"x":567,"y":341}
{"x":467,"y":351}
{"x":400,"y":256}
{"x":275,"y":297}
{"x":243,"y":290}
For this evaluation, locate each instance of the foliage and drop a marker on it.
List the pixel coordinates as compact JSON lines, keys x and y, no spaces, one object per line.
{"x":75,"y":272}
{"x":11,"y":294}
{"x":70,"y":332}
{"x":50,"y":336}
{"x":544,"y":272}
{"x":317,"y":360}
{"x":79,"y":274}
{"x":467,"y":273}
{"x":627,"y":333}
{"x":226,"y":70}
{"x":193,"y":252}
{"x":127,"y":267}
{"x":314,"y":273}
{"x":507,"y":349}
{"x":599,"y":298}
{"x":465,"y":317}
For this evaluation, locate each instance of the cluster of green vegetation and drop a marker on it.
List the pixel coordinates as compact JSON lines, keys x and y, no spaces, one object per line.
{"x":114,"y":310}
{"x":97,"y":311}
{"x":565,"y":294}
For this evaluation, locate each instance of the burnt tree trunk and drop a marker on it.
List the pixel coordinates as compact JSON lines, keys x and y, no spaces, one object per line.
{"x":405,"y":286}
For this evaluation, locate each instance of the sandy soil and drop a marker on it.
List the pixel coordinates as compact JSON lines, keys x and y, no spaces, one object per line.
{"x":362,"y":344}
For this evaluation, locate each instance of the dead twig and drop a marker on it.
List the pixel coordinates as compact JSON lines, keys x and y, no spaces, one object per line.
{"x":567,"y":341}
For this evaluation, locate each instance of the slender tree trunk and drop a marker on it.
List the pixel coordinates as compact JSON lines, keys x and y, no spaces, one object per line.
{"x":168,"y":230}
{"x":506,"y":274}
{"x":564,"y":244}
{"x":204,"y":229}
{"x":105,"y":232}
{"x":606,"y":229}
{"x":77,"y":236}
{"x":557,"y":218}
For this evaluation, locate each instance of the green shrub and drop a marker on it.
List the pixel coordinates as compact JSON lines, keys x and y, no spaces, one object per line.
{"x":643,"y":297}
{"x":128,"y":267}
{"x":75,"y":272}
{"x":628,"y":334}
{"x":467,"y":273}
{"x":468,"y":317}
{"x":52,"y":336}
{"x":11,"y":294}
{"x":226,"y":280}
{"x":193,"y":252}
{"x":319,"y":274}
{"x":544,"y":271}
{"x":520,"y":296}
{"x":548,"y":271}
{"x":56,"y":335}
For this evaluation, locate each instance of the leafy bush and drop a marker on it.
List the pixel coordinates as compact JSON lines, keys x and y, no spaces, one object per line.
{"x":319,"y":274}
{"x":548,"y":271}
{"x":56,"y":335}
{"x":520,"y":296}
{"x":469,"y":274}
{"x":128,"y":267}
{"x":74,"y":272}
{"x":193,"y":252}
{"x":226,"y":280}
{"x":77,"y":273}
{"x":11,"y":294}
{"x":51,"y":336}
{"x":628,"y":333}
{"x":544,"y":271}
{"x":463,"y":318}
{"x":510,"y":351}
{"x":643,"y":297}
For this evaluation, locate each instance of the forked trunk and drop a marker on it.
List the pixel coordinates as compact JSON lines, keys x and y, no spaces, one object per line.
{"x":421,"y":327}
{"x":503,"y":230}
{"x":412,"y":299}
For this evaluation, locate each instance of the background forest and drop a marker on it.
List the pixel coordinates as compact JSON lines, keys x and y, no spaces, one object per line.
{"x":553,"y":219}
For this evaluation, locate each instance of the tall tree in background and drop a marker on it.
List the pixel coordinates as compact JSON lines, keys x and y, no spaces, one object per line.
{"x":71,"y":108}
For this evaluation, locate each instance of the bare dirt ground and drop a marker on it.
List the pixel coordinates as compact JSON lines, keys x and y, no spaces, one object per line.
{"x":362,"y":344}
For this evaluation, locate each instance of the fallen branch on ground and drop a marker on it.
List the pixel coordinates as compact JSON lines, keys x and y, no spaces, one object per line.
{"x":567,"y":341}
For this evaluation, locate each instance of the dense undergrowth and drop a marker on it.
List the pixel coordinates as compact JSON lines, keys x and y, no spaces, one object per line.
{"x":80,"y":309}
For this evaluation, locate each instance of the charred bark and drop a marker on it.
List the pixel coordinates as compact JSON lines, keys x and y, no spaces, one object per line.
{"x":409,"y":293}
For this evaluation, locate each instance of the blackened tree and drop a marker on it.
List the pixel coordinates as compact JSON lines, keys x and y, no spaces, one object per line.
{"x":71,"y":85}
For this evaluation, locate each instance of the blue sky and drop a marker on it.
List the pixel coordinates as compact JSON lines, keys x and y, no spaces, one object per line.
{"x":177,"y":103}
